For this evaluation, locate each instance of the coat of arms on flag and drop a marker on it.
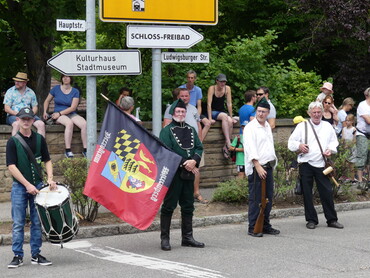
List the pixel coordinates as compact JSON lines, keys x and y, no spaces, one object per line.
{"x":131,"y":170}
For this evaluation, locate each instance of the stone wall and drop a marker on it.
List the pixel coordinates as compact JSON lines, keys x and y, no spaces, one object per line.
{"x":216,"y":168}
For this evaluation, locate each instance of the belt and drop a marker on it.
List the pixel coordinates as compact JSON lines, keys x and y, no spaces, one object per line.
{"x":269,"y":164}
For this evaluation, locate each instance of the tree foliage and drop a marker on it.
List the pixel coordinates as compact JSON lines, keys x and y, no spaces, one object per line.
{"x":328,"y":37}
{"x":337,"y":36}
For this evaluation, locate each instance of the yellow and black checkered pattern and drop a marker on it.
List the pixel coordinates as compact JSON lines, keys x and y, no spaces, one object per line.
{"x":124,"y":147}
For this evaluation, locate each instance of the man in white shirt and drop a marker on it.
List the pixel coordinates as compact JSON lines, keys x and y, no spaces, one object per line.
{"x":312,"y":164}
{"x":260,"y":159}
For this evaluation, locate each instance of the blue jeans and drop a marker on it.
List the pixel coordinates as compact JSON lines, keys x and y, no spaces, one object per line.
{"x":20,"y":200}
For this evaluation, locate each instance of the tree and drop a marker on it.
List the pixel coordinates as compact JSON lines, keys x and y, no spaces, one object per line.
{"x":337,"y":39}
{"x":31,"y":24}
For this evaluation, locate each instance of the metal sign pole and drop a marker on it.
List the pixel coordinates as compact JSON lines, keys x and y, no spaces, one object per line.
{"x":156,"y":91}
{"x":91,"y":81}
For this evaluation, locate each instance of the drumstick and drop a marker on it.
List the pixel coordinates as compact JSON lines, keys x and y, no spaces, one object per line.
{"x":79,"y":215}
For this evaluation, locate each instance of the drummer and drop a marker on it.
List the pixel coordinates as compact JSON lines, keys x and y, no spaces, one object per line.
{"x":27,"y":180}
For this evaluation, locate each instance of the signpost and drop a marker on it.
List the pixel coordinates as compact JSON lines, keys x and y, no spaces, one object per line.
{"x":71,"y":25}
{"x":185,"y":57}
{"x":203,"y":12}
{"x":97,"y":62}
{"x":146,"y":36}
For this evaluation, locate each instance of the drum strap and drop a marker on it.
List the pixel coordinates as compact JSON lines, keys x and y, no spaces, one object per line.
{"x":31,"y":155}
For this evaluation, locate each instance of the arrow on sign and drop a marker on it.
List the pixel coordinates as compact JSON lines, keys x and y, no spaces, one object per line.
{"x":97,"y":62}
{"x":147,"y":36}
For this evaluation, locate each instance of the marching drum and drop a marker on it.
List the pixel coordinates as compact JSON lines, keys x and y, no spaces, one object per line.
{"x":58,"y":221}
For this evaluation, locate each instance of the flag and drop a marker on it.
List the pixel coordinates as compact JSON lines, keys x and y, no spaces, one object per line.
{"x":131,"y":170}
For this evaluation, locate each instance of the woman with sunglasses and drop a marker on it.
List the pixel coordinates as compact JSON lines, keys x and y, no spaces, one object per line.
{"x":330,"y":114}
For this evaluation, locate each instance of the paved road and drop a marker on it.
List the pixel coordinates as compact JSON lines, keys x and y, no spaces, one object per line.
{"x":297,"y":252}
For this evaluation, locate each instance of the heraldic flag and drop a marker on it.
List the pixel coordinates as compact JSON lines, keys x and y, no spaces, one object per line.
{"x":131,"y":170}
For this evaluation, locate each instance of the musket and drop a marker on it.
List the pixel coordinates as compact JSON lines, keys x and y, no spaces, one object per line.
{"x":258,"y":227}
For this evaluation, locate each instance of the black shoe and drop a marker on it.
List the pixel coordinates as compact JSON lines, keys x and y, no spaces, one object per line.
{"x":310,"y":225}
{"x":255,"y":234}
{"x":38,"y":259}
{"x":16,"y":262}
{"x":336,"y":225}
{"x":192,"y":243}
{"x":271,"y":231}
{"x":165,"y":245}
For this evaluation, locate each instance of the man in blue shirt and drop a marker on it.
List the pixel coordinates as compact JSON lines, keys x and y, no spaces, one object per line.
{"x":247,"y":111}
{"x":196,"y":100}
{"x":20,"y":96}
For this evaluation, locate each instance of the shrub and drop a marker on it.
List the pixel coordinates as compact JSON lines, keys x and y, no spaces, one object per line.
{"x":74,"y":172}
{"x":232,"y":191}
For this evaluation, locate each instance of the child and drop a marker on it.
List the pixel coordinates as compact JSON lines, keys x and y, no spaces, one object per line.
{"x":348,"y":135}
{"x":237,"y":146}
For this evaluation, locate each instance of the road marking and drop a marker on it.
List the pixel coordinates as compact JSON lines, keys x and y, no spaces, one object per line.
{"x":119,"y":256}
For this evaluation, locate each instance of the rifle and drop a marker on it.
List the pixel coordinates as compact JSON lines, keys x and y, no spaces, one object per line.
{"x":258,"y":227}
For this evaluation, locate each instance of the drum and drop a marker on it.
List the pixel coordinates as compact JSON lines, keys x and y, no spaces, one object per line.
{"x":58,"y":221}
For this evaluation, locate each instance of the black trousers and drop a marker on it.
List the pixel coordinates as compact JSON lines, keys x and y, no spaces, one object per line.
{"x":181,"y":192}
{"x":254,"y":184}
{"x":308,"y":174}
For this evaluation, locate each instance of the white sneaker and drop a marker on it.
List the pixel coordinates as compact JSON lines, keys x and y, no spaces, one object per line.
{"x":69,"y":154}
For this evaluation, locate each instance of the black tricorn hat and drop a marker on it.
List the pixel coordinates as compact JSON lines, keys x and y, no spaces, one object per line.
{"x":263,"y":103}
{"x":178,"y":103}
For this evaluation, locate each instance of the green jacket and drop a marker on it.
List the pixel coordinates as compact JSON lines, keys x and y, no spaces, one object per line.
{"x":183,"y":140}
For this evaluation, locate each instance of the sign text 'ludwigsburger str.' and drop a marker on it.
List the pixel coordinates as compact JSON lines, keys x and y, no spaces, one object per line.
{"x":158,"y":36}
{"x":97,"y":62}
{"x":185,"y":57}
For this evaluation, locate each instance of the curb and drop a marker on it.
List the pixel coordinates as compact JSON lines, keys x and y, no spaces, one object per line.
{"x":120,"y":229}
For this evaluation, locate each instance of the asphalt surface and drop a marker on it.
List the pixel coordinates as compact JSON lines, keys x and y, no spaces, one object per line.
{"x":229,"y":253}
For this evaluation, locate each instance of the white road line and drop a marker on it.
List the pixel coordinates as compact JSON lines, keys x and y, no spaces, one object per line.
{"x":119,"y":256}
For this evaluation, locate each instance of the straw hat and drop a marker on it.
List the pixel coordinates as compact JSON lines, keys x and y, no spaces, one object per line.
{"x":21,"y":76}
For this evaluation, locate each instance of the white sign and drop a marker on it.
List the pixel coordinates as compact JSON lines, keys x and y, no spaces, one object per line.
{"x":147,"y":36}
{"x":185,"y":57}
{"x":71,"y":25}
{"x":97,"y":62}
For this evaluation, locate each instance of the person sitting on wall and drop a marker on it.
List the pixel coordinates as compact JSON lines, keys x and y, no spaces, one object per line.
{"x":66,"y":99}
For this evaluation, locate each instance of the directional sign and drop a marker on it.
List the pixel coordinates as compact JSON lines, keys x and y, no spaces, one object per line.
{"x":147,"y":36}
{"x":71,"y":25}
{"x":202,"y":12}
{"x":185,"y":57}
{"x":97,"y":62}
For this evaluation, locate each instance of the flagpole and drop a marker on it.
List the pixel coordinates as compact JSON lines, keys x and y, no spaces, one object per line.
{"x":139,"y":126}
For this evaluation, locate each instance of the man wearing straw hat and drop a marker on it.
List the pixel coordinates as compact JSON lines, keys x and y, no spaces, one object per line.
{"x":20,"y":96}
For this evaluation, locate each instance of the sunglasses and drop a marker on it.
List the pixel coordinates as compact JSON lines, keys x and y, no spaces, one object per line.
{"x":327,"y":102}
{"x":259,"y":94}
